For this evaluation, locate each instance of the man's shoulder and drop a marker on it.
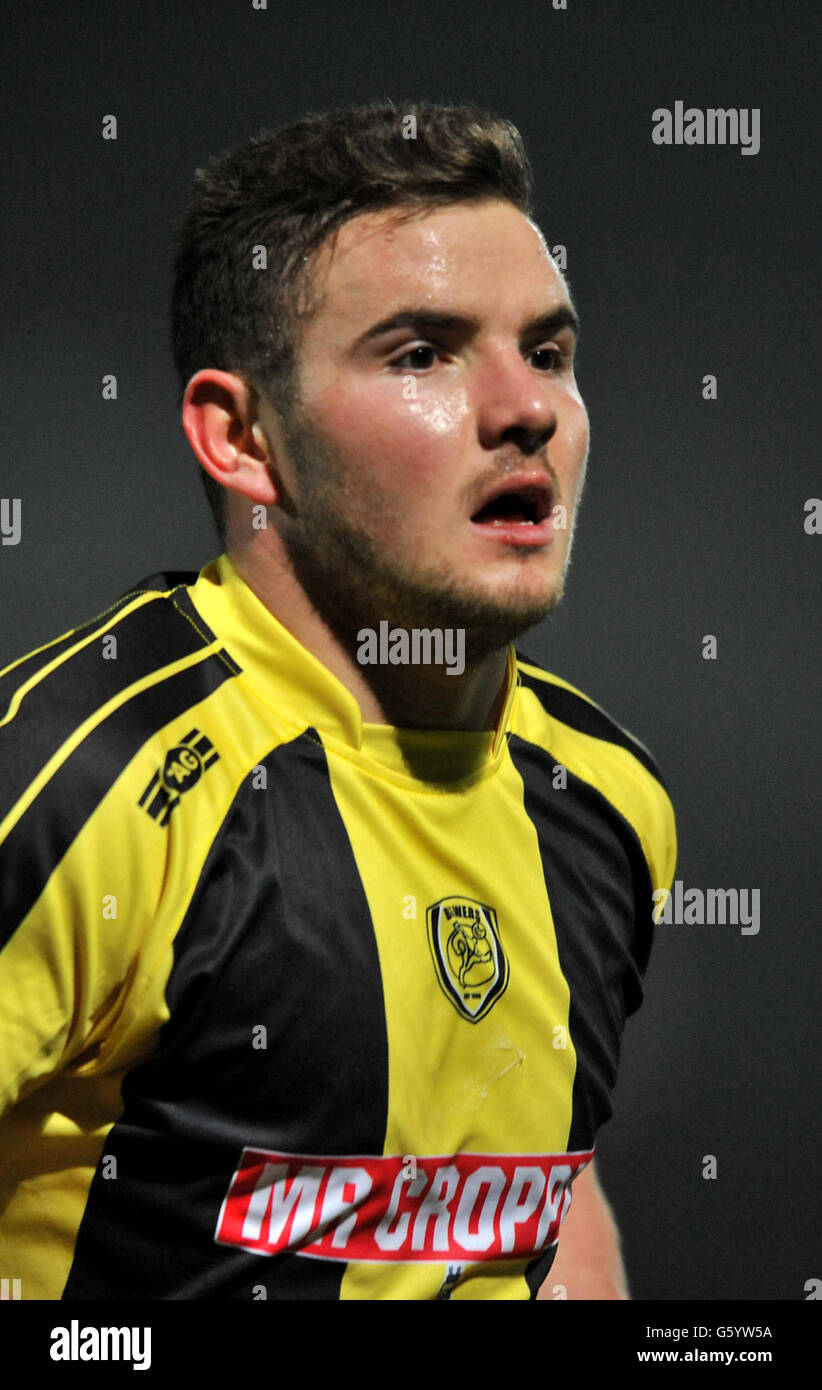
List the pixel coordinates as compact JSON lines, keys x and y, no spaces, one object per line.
{"x":566,"y":705}
{"x":590,"y":751}
{"x":75,"y":710}
{"x":35,"y":666}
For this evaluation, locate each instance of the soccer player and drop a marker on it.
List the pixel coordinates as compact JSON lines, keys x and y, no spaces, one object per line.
{"x":322,"y":909}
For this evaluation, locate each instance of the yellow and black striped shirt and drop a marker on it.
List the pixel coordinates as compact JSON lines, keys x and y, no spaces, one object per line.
{"x":277,"y":982}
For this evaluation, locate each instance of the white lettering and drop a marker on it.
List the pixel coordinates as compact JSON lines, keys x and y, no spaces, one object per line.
{"x":435,"y":1204}
{"x":74,"y":1343}
{"x":514,"y":1211}
{"x":493,"y":1178}
{"x":299,"y":1200}
{"x":557,"y":1200}
{"x":345,"y":1190}
{"x":384,"y":1236}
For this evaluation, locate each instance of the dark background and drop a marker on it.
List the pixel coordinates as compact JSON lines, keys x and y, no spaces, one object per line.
{"x":682,"y":261}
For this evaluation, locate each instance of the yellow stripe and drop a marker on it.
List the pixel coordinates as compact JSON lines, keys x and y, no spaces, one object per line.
{"x":499,"y":1085}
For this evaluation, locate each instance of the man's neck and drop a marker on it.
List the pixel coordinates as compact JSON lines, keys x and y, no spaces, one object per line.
{"x":405,"y":696}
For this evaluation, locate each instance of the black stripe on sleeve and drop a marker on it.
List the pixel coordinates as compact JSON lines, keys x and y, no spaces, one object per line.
{"x":586,"y":718}
{"x":163,"y":581}
{"x":27,"y":666}
{"x":37,"y":843}
{"x":150,"y":637}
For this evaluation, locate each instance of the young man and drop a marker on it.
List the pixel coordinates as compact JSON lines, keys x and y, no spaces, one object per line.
{"x":322,"y":911}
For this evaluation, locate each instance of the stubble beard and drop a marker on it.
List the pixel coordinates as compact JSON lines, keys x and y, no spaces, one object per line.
{"x":353,"y":582}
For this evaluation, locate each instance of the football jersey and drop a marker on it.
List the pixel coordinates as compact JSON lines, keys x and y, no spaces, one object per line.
{"x":293,"y":1005}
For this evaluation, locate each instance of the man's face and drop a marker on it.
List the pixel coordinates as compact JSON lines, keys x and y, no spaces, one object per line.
{"x":425,"y":460}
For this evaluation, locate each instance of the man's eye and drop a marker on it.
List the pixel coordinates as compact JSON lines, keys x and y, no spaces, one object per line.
{"x":557,"y":359}
{"x":424,"y":356}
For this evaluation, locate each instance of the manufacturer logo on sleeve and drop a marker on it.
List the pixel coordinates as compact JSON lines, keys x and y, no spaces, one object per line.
{"x":471,"y":965}
{"x":183,"y":767}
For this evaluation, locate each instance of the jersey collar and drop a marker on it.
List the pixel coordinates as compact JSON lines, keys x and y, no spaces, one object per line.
{"x":304,"y":692}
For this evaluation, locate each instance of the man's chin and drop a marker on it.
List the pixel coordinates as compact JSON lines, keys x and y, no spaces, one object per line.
{"x":353,"y":585}
{"x":491,"y":617}
{"x":492,"y":621}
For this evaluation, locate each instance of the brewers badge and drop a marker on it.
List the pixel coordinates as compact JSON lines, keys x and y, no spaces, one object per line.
{"x":471,"y":965}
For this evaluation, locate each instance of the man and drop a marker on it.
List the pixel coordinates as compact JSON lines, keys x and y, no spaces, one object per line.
{"x":323,"y":912}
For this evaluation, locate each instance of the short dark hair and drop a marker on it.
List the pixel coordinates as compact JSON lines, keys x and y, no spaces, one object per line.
{"x":288,"y":190}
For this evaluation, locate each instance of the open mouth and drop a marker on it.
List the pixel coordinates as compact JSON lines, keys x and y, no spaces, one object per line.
{"x":524,"y":506}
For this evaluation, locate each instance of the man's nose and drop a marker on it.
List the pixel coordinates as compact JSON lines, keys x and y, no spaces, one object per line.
{"x":514,"y":405}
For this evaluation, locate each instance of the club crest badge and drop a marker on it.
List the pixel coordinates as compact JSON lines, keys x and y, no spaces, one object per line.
{"x":471,"y":965}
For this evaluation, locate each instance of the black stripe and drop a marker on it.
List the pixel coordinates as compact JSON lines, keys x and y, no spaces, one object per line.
{"x":538,"y":1270}
{"x":151,"y":637}
{"x":163,"y":580}
{"x":37,"y":843}
{"x":278,"y":933}
{"x":30,"y":664}
{"x":571,"y":709}
{"x":599,"y":888}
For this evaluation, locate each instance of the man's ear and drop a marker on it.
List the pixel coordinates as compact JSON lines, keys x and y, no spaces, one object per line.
{"x":221,"y":424}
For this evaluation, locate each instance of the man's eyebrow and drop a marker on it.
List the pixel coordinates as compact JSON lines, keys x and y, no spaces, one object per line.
{"x":429,"y":319}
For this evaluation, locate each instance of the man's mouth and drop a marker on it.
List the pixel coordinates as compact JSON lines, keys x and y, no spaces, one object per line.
{"x":518,"y":511}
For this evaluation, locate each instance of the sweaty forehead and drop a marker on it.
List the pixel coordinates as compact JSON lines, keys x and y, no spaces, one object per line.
{"x":377,"y":261}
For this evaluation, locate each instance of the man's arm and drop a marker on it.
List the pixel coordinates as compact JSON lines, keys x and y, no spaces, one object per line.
{"x":588,"y":1262}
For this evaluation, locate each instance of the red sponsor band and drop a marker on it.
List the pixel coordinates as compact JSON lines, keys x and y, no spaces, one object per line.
{"x":463,"y":1208}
